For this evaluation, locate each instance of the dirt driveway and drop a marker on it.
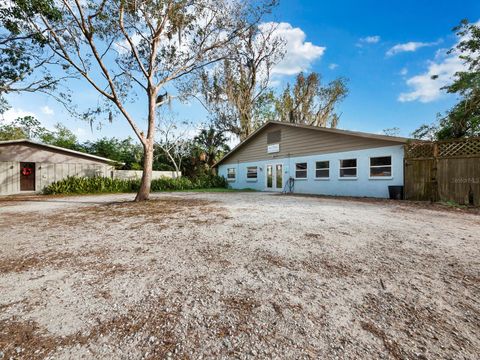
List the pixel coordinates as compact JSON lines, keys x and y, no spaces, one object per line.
{"x":236,"y":275}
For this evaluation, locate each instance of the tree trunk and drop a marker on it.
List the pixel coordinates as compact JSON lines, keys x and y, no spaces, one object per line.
{"x":144,"y":191}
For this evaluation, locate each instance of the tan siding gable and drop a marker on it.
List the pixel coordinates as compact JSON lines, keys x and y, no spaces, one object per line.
{"x":297,"y":141}
{"x":32,"y":153}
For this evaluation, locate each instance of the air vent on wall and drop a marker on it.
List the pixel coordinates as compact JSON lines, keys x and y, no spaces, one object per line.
{"x":274,"y":137}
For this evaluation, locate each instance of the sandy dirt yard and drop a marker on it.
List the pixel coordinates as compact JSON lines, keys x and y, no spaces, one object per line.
{"x":236,"y":275}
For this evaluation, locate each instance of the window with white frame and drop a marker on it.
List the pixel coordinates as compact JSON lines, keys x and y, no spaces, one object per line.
{"x":322,"y":169}
{"x":252,"y":173}
{"x":348,"y":168}
{"x":301,"y":170}
{"x":381,"y":166}
{"x":231,"y":174}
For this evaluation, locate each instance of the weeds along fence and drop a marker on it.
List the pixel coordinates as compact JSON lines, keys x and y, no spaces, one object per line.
{"x":443,"y":171}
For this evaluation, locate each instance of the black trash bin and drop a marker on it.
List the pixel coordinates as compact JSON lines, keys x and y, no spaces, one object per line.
{"x":395,"y":192}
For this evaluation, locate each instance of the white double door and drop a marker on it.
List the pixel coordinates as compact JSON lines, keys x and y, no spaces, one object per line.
{"x":274,"y":174}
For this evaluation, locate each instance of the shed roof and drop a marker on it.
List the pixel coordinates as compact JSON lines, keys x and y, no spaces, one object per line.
{"x":396,"y":139}
{"x":57,"y":148}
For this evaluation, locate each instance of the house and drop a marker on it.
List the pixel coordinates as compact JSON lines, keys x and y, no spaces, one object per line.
{"x":28,"y":166}
{"x":313,"y":160}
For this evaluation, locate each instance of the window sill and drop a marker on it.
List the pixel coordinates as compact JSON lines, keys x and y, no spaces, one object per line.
{"x":348,"y":178}
{"x":322,"y":179}
{"x":251,"y":180}
{"x":300,"y":179}
{"x":231,"y":180}
{"x":380,"y":178}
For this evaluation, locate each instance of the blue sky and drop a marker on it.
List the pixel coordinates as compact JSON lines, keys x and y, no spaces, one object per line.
{"x":387,"y":49}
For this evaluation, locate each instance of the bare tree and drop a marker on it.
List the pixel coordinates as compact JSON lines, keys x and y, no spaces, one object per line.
{"x":173,"y":140}
{"x":236,"y":92}
{"x":124,"y":49}
{"x":310,"y":103}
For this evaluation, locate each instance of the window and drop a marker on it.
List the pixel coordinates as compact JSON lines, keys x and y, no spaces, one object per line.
{"x":322,"y":169}
{"x":381,"y":166}
{"x":252,"y":173}
{"x":231,"y":174}
{"x":301,"y":170}
{"x":348,"y":168}
{"x":269,"y":176}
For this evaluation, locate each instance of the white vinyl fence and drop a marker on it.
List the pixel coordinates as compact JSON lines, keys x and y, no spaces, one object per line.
{"x":137,"y":174}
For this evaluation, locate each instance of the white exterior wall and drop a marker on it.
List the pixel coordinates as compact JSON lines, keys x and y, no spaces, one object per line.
{"x":363,"y":185}
{"x":9,"y":177}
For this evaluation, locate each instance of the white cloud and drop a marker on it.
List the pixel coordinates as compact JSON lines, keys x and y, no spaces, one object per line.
{"x":404,"y":71}
{"x":373,"y":39}
{"x":409,"y":47}
{"x":47,"y":110}
{"x":443,"y":68}
{"x":300,"y":54}
{"x":332,"y":66}
{"x":426,"y":89}
{"x":123,"y":47}
{"x":11,"y":114}
{"x":82,"y":134}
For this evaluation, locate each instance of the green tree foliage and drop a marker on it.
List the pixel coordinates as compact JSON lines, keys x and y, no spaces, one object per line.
{"x":211,"y":145}
{"x":26,"y":127}
{"x":125,"y":151}
{"x":310,"y":103}
{"x":25,"y":65}
{"x":236,"y":92}
{"x":394,"y":131}
{"x":12,"y":132}
{"x":463,"y":120}
{"x":61,"y":136}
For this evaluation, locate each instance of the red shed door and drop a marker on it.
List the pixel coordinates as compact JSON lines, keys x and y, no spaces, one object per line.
{"x":27,"y":176}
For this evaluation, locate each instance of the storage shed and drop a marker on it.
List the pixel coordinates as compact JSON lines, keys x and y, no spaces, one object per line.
{"x":29,"y":166}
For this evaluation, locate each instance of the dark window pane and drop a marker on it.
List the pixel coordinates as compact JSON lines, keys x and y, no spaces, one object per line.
{"x":279,"y":176}
{"x":381,"y":171}
{"x":381,"y":161}
{"x":348,"y":172}
{"x":348,"y":163}
{"x":325,"y":173}
{"x":301,"y":170}
{"x":301,"y":174}
{"x":252,"y":172}
{"x":323,"y":164}
{"x":269,"y":176}
{"x":231,"y":173}
{"x":301,"y":166}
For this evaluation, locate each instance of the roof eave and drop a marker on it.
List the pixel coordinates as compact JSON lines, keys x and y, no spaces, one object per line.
{"x":79,"y":153}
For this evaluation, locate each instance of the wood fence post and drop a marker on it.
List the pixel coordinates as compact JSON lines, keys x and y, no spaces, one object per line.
{"x":434,"y":194}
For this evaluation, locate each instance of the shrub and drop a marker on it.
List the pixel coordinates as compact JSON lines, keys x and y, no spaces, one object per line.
{"x":91,"y":185}
{"x":96,"y":185}
{"x":211,"y":181}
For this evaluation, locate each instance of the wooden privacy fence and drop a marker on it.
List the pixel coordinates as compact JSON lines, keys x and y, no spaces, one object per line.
{"x":443,"y":171}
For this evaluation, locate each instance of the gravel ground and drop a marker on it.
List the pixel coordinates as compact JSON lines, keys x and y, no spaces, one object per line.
{"x":236,"y":275}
